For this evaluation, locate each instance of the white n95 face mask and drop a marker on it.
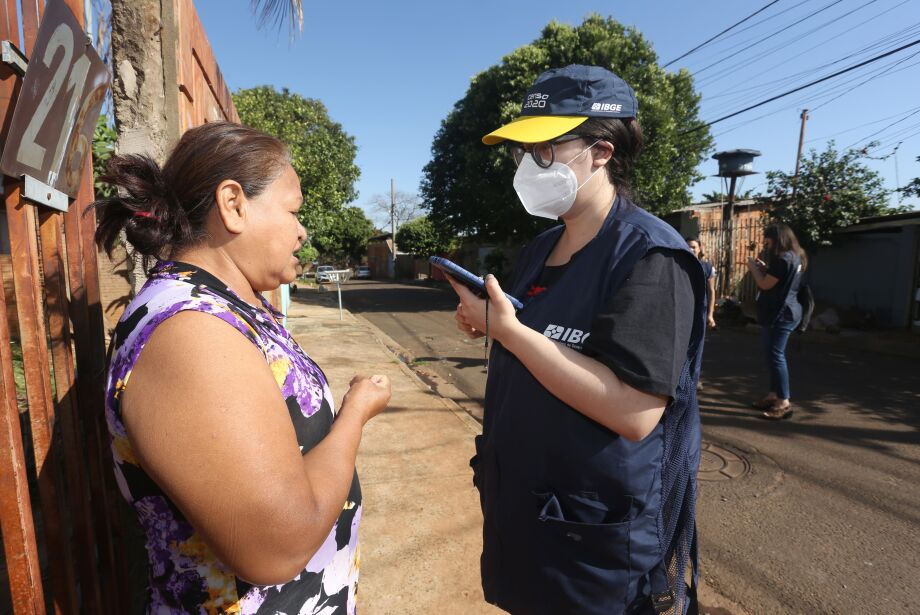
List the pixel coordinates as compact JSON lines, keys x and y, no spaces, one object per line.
{"x":550,"y":192}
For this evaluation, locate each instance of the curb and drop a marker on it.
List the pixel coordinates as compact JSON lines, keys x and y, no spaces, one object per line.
{"x":400,"y":355}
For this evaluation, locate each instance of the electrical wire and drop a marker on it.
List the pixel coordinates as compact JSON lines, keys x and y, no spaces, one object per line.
{"x":897,"y":134}
{"x":777,"y":82}
{"x":833,"y":94}
{"x":802,"y":87}
{"x":877,"y":75}
{"x":753,"y":25}
{"x":783,"y":45}
{"x":734,"y":25}
{"x":768,"y":37}
{"x":861,"y":126}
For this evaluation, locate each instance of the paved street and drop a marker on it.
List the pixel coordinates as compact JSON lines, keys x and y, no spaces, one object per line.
{"x":816,"y":514}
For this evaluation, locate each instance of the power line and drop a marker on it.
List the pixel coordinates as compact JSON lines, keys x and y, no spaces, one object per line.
{"x":776,"y":82}
{"x":769,"y":36}
{"x":765,"y":20}
{"x":891,"y":39}
{"x":902,"y":134}
{"x":782,"y":45}
{"x":734,"y":25}
{"x":832,"y":94}
{"x":751,"y":26}
{"x":877,"y":132}
{"x":882,"y":73}
{"x":872,"y":123}
{"x":802,"y":87}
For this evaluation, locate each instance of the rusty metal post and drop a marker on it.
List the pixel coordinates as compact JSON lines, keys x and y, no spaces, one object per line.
{"x":54,"y":269}
{"x":16,"y":524}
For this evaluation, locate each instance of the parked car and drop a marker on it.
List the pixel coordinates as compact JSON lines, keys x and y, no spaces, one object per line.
{"x":322,"y":273}
{"x":363,"y":272}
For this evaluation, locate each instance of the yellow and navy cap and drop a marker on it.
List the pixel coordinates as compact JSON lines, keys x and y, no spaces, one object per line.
{"x":562,"y":98}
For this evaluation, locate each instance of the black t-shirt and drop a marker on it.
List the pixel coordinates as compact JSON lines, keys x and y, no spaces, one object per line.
{"x":779,"y":304}
{"x":643,"y":332}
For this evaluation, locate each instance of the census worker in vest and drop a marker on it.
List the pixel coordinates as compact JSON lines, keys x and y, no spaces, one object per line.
{"x":587,"y":463}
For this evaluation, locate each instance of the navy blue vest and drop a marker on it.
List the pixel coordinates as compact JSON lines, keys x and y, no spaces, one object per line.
{"x":577,"y":519}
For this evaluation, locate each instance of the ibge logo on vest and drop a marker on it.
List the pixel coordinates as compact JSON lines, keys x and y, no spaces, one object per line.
{"x":573,"y":338}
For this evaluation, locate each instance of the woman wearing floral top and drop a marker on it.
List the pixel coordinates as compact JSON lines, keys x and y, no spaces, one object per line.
{"x":225,"y":436}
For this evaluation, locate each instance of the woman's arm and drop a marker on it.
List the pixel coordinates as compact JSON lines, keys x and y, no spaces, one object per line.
{"x":764,"y":280}
{"x":208,"y":423}
{"x":711,"y":306}
{"x":583,"y":383}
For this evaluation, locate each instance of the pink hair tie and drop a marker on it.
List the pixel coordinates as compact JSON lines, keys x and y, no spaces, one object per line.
{"x":146,"y":214}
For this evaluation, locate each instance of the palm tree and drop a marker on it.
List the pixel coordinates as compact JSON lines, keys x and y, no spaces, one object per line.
{"x":276,"y":12}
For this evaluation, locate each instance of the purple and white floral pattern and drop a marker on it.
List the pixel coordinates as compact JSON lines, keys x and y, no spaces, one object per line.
{"x":185,"y":575}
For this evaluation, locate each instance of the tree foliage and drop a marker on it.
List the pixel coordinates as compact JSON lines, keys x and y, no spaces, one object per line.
{"x":343,"y":236}
{"x":467,"y":186}
{"x":833,"y":191}
{"x":420,"y":237}
{"x":913,"y":187}
{"x":323,"y":155}
{"x":720,"y":197}
{"x":277,"y":12}
{"x":104,"y":139}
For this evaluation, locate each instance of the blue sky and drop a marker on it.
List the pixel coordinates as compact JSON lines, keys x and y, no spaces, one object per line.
{"x":389,"y":72}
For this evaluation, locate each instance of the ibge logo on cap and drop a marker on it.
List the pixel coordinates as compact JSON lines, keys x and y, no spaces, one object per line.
{"x":609,"y":107}
{"x":536,"y":101}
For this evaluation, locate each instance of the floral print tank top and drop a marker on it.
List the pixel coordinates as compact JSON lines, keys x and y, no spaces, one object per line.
{"x":185,"y":576}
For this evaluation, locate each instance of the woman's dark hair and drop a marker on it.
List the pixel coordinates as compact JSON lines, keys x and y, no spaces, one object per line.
{"x":697,"y":240}
{"x":626,"y":137}
{"x":784,"y":240}
{"x":163,"y":211}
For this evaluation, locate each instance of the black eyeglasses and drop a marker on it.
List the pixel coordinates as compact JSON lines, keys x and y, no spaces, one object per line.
{"x":544,"y":154}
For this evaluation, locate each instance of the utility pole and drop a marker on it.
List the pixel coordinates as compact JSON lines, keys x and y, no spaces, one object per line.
{"x":897,"y":175}
{"x":798,"y":156}
{"x":393,"y":225}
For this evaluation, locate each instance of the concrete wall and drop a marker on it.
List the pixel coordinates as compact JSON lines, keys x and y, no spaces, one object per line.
{"x":873,"y":271}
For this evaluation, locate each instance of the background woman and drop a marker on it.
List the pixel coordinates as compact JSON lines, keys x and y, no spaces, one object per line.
{"x":710,"y":272}
{"x":778,"y":310}
{"x":224,"y":432}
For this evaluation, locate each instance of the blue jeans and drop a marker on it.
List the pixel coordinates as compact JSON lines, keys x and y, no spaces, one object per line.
{"x":774,"y":340}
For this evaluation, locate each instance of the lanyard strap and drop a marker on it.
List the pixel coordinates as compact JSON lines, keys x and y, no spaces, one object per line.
{"x":486,"y":343}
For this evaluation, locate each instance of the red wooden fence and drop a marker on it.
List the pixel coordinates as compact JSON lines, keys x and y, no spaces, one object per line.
{"x":60,"y":541}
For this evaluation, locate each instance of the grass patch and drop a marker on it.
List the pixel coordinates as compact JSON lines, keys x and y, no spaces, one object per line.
{"x":19,"y":375}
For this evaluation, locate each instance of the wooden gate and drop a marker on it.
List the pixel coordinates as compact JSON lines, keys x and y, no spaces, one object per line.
{"x":57,"y":493}
{"x":728,"y":245}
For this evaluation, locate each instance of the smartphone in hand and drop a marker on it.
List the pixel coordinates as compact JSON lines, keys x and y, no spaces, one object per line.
{"x":472,"y":281}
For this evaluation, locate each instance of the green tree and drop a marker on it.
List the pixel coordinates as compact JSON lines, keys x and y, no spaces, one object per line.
{"x":104,"y":138}
{"x":307,"y":254}
{"x":421,"y":238}
{"x":322,"y":153}
{"x":720,"y":197}
{"x":343,"y":236}
{"x":467,"y":186}
{"x":833,"y":191}
{"x":912,"y":188}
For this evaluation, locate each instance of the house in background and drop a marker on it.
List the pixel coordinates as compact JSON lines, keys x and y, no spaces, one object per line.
{"x":380,"y":257}
{"x":874,"y":267}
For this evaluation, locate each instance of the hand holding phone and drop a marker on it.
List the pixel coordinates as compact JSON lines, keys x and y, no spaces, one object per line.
{"x":476,"y":284}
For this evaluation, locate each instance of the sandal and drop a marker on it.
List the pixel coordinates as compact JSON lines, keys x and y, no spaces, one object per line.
{"x":764,"y":404}
{"x":778,"y":413}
